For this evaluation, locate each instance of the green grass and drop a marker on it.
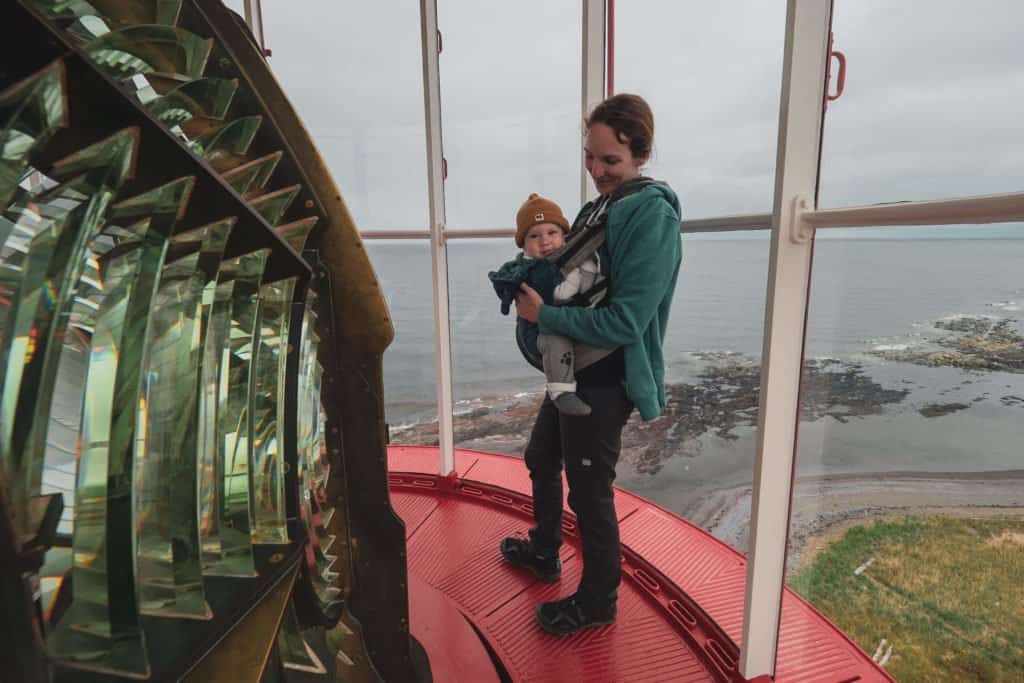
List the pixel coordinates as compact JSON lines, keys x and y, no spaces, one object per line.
{"x":946,"y":592}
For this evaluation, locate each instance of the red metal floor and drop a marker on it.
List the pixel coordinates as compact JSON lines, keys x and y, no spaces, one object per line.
{"x":680,"y":604}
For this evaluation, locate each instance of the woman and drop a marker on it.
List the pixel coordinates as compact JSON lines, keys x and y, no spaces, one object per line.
{"x":644,"y":249}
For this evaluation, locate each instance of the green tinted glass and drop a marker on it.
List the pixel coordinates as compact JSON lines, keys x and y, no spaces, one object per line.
{"x":297,"y":232}
{"x":149,"y":49}
{"x":204,"y":98}
{"x":30,"y":111}
{"x":252,"y":175}
{"x":225,"y":482}
{"x":233,"y":138}
{"x":40,"y":275}
{"x":268,"y":411}
{"x":273,"y":206}
{"x":101,"y":625}
{"x":295,"y":652}
{"x":169,"y":558}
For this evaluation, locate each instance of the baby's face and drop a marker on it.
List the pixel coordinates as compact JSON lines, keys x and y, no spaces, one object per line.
{"x":542,"y":239}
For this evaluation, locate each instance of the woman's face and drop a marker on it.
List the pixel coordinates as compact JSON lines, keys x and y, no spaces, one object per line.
{"x":609,"y":162}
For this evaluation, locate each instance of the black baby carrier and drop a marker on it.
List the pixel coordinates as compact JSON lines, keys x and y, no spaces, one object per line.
{"x":585,"y":239}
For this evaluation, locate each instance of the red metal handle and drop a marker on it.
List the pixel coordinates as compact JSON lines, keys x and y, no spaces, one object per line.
{"x":840,"y":77}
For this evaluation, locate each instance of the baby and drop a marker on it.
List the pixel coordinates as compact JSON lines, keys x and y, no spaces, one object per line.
{"x":540,"y":232}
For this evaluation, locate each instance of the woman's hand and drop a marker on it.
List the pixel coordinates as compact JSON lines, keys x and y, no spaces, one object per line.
{"x":528,"y":303}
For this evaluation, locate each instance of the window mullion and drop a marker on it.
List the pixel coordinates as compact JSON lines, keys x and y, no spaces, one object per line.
{"x":807,"y":29}
{"x":438,"y":247}
{"x":595,"y":33}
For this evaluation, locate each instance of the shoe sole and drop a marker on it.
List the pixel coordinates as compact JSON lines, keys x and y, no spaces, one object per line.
{"x":547,"y":629}
{"x":543,"y":578}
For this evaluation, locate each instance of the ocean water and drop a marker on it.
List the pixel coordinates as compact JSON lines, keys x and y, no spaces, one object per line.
{"x":866,"y":295}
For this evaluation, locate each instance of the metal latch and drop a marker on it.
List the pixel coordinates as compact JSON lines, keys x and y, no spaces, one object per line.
{"x":800,"y":231}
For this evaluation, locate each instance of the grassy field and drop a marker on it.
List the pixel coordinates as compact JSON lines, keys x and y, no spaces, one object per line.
{"x":946,"y":594}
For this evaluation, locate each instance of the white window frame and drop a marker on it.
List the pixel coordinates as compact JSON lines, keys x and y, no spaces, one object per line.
{"x":594,"y":79}
{"x":789,"y":269}
{"x":438,"y":248}
{"x":793,"y":221}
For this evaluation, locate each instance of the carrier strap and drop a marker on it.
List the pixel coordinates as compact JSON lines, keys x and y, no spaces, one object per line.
{"x":588,"y":234}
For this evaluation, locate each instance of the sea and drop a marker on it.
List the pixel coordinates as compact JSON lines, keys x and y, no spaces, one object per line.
{"x":868,"y":296}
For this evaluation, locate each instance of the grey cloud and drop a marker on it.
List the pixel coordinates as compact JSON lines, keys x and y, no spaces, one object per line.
{"x":935,"y":92}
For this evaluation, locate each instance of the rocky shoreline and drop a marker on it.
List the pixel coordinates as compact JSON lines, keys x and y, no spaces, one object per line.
{"x":724,"y":399}
{"x":975,"y":343}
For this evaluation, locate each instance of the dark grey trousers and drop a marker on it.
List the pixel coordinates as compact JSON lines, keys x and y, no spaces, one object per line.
{"x":589,"y":448}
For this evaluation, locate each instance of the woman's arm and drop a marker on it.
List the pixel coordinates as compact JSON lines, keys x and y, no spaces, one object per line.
{"x":644,"y":264}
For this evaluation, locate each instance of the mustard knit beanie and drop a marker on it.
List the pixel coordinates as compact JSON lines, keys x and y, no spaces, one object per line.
{"x":535,"y":210}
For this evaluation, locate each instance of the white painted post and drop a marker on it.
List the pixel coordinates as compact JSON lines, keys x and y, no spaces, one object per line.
{"x":595,"y":32}
{"x":438,"y":247}
{"x":253,"y":19}
{"x":800,"y":119}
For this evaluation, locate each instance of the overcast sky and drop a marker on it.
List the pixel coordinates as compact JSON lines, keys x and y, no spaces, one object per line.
{"x":933,"y":103}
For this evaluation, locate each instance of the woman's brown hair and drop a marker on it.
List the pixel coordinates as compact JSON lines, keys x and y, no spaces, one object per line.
{"x":632,"y":120}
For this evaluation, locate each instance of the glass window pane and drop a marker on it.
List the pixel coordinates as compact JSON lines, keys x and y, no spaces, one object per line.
{"x":353,"y":72}
{"x":712,"y":74}
{"x":933,"y":102}
{"x":907,"y":511}
{"x":510,"y":98}
{"x":237,"y":6}
{"x":410,"y":383}
{"x":489,"y":374}
{"x":697,"y":459}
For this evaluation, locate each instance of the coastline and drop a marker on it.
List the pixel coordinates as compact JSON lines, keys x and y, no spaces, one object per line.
{"x":825,"y":507}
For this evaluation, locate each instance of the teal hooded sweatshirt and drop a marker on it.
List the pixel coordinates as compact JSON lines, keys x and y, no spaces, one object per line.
{"x":645,"y":249}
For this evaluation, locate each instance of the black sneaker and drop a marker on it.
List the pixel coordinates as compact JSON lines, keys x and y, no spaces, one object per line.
{"x":521,"y":553}
{"x":569,"y":615}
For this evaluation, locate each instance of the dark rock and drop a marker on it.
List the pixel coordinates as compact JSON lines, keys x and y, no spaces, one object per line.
{"x":723,"y":400}
{"x":980,"y":344}
{"x":939,"y":409}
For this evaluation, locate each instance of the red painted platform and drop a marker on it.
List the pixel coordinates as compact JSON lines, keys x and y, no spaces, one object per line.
{"x":680,"y":603}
